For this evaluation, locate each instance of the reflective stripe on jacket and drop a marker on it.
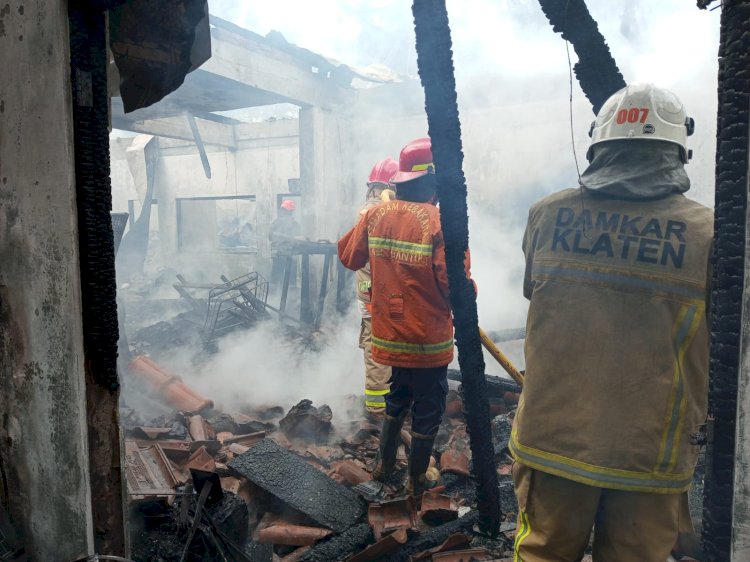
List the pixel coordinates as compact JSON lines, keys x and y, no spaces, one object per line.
{"x":363,"y":277}
{"x":617,"y":341}
{"x":411,"y":315}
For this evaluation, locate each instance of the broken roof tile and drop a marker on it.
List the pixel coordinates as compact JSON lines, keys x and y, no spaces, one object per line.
{"x":199,"y":429}
{"x":350,"y":472}
{"x":386,"y":517}
{"x":175,"y":392}
{"x":148,"y":472}
{"x":455,"y":461}
{"x":437,"y":508}
{"x":237,"y":449}
{"x":382,"y":548}
{"x":201,"y":460}
{"x":285,"y":533}
{"x":231,"y":484}
{"x":222,"y":435}
{"x":178,"y":451}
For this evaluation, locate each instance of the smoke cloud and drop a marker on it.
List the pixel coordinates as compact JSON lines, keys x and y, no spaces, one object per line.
{"x":513,"y":87}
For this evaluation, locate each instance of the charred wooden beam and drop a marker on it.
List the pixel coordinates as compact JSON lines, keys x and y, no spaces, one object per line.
{"x":730,"y":221}
{"x":596,"y":69}
{"x":88,"y":61}
{"x":435,"y":62}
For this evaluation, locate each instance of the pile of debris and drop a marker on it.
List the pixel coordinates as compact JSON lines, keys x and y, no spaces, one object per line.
{"x":266,"y":485}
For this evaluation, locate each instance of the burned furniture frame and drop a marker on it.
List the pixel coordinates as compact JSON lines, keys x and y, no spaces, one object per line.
{"x":309,"y":315}
{"x":232,"y":304}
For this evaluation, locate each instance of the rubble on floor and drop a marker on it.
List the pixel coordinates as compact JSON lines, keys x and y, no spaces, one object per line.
{"x":274,"y":484}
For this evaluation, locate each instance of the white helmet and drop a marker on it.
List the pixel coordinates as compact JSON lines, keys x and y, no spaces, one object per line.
{"x":643,"y":111}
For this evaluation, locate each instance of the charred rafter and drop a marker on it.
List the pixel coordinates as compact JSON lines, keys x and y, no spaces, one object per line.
{"x":596,"y":69}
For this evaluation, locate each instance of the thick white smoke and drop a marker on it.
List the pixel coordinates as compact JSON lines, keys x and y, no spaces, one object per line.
{"x":512,"y":80}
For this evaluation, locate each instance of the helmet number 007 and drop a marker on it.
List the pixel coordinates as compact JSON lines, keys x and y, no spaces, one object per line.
{"x":632,"y":115}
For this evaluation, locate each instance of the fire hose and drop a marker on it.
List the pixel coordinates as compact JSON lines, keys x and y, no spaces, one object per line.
{"x":500,"y":357}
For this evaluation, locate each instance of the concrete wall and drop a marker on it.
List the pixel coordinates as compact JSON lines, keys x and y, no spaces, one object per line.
{"x":266,"y":156}
{"x":741,"y":507}
{"x":43,"y":443}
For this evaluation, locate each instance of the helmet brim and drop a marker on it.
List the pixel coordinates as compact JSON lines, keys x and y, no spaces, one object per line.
{"x":403,"y":177}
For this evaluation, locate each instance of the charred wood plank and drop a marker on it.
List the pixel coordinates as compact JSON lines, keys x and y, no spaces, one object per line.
{"x":90,"y":106}
{"x":435,"y":63}
{"x":730,"y":213}
{"x":290,"y":479}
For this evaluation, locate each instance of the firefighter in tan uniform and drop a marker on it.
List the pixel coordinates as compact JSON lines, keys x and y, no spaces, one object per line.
{"x":376,"y":375}
{"x":617,"y":272}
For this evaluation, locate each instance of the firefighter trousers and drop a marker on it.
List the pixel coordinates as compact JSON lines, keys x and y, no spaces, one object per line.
{"x":421,"y":390}
{"x":376,"y":375}
{"x":556,"y":515}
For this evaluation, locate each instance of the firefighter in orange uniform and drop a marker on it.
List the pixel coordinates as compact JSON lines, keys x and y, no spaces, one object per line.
{"x":617,"y":345}
{"x":376,"y":375}
{"x":412,"y":330}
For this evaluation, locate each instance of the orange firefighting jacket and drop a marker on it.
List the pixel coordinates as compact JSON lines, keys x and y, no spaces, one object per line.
{"x":411,"y":314}
{"x":363,"y":276}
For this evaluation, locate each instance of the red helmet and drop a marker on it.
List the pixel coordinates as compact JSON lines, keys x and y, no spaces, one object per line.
{"x":414,"y":161}
{"x":383,"y":171}
{"x":288,"y":205}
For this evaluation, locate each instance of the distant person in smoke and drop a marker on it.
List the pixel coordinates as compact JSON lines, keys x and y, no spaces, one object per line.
{"x":412,"y":329}
{"x":247,"y":235}
{"x":376,"y":375}
{"x":282,"y":233}
{"x":229,"y":233}
{"x":617,"y":274}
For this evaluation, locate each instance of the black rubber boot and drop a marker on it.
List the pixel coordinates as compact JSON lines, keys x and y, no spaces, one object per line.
{"x":390,"y":438}
{"x":419,"y":462}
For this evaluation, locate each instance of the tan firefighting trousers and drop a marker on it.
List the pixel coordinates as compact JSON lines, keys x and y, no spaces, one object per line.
{"x":556,"y":515}
{"x":376,"y":375}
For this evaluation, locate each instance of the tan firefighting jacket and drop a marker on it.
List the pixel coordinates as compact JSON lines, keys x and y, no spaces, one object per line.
{"x":364,"y":279}
{"x":617,"y":341}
